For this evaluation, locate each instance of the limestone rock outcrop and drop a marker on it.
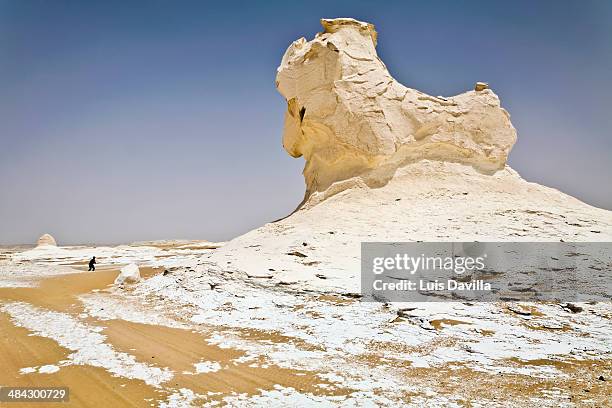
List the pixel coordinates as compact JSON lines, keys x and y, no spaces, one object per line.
{"x":128,"y":274}
{"x":46,"y":239}
{"x":438,"y":166}
{"x":349,"y":117}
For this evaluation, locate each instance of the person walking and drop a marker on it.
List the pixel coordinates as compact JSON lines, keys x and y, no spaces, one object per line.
{"x":92,"y":264}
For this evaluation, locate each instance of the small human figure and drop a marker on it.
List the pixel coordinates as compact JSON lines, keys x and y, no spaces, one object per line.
{"x":92,"y":264}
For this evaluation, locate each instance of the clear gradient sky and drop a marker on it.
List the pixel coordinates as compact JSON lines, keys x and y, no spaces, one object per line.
{"x":133,"y":120}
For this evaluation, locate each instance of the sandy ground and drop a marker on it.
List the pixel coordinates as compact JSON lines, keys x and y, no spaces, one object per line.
{"x":61,"y":293}
{"x":166,"y":342}
{"x":167,"y":348}
{"x":89,"y":386}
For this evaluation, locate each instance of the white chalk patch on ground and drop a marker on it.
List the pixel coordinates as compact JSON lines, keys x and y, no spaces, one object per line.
{"x":180,"y":399}
{"x":28,"y":370}
{"x":113,"y":304}
{"x":88,"y":346}
{"x":207,"y":367}
{"x":25,"y":275}
{"x":48,"y":369}
{"x":289,"y":397}
{"x":351,"y":328}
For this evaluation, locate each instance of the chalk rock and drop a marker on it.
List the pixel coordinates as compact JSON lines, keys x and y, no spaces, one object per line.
{"x":433,"y":161}
{"x":128,"y":274}
{"x":349,"y":117}
{"x":481,"y":86}
{"x":46,"y":239}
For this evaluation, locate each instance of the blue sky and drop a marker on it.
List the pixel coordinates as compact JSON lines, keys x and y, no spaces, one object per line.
{"x":130,"y":120}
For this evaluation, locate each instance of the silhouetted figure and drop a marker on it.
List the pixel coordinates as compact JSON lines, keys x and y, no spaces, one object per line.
{"x":92,"y":264}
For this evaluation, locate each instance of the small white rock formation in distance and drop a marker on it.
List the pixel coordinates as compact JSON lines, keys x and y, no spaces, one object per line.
{"x":46,"y":239}
{"x":128,"y":274}
{"x":348,"y":117}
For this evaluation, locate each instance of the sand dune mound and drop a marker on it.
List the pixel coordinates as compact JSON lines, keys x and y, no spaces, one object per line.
{"x":46,"y":239}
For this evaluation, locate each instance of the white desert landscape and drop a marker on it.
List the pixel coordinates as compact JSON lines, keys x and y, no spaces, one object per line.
{"x":274,"y":317}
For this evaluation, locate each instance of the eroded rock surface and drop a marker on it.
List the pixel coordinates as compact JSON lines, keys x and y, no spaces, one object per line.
{"x":348,"y":117}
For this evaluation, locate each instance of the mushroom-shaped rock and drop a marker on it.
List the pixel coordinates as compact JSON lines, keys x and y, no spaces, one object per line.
{"x":46,"y":239}
{"x":349,"y":117}
{"x":128,"y":274}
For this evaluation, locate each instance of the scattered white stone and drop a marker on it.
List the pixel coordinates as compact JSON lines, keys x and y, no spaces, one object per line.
{"x":128,"y":274}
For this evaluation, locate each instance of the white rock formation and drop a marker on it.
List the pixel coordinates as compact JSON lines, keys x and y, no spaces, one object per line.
{"x":46,"y":239}
{"x":128,"y":274}
{"x":347,"y":116}
{"x":389,"y":163}
{"x":379,"y":168}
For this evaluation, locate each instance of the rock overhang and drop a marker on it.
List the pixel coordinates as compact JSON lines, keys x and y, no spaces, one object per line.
{"x":348,"y":117}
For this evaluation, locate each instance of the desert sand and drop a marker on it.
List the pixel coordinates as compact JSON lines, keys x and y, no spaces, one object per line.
{"x":171,"y":340}
{"x":273,"y":317}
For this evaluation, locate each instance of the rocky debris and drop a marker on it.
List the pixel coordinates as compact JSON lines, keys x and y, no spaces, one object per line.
{"x":572,"y":308}
{"x":420,"y":321}
{"x":550,"y":325}
{"x":481,"y":86}
{"x":259,"y":276}
{"x":423,"y":323}
{"x":46,"y":239}
{"x":519,"y":311}
{"x":128,"y":274}
{"x":405,"y":312}
{"x":349,"y":117}
{"x":467,"y":348}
